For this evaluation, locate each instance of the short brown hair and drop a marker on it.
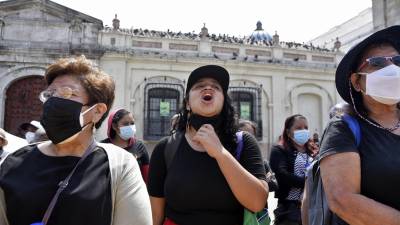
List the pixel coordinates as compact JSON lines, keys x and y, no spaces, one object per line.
{"x":99,"y":85}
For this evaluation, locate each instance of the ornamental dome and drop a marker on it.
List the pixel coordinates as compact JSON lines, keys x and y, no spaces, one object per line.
{"x":259,"y":34}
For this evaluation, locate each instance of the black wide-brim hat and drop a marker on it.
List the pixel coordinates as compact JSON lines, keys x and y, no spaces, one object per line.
{"x":218,"y":73}
{"x":347,"y":65}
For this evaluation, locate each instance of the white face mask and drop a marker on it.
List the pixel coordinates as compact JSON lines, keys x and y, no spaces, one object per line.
{"x":30,"y":136}
{"x":384,"y":85}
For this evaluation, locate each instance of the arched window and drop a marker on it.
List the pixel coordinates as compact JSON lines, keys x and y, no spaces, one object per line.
{"x":247,"y":104}
{"x":162,"y":102}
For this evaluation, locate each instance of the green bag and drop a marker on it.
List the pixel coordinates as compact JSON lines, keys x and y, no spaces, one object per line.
{"x":250,"y":218}
{"x":258,"y":218}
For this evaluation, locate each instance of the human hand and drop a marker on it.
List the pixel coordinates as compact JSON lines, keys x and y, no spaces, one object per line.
{"x":207,"y":138}
{"x":314,"y":148}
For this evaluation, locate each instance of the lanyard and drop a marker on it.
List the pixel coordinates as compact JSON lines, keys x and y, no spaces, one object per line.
{"x":64,"y":184}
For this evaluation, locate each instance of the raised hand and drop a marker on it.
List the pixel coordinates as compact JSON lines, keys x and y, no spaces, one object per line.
{"x":207,"y":138}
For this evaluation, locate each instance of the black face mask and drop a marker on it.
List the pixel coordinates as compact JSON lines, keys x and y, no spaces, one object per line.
{"x":61,"y":118}
{"x":196,"y":121}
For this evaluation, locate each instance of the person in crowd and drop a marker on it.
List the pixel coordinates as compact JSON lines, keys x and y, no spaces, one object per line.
{"x":313,"y":147}
{"x":121,"y":132}
{"x":204,"y":183}
{"x":315,"y":138}
{"x":3,"y":142}
{"x":72,"y":179}
{"x":174,"y":122}
{"x":251,"y":127}
{"x":33,"y":132}
{"x":13,"y":143}
{"x":340,"y":109}
{"x":40,"y":135}
{"x":28,"y":130}
{"x":361,"y":180}
{"x":247,"y":125}
{"x":289,"y":161}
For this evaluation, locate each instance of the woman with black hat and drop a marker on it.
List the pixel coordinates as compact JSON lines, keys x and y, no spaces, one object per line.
{"x":361,"y":180}
{"x":203,"y":183}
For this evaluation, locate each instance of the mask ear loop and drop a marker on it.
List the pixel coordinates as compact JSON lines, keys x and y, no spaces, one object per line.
{"x":81,"y":118}
{"x":353,"y":102}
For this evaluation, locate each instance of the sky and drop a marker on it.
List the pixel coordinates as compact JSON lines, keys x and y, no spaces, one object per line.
{"x":294,"y":20}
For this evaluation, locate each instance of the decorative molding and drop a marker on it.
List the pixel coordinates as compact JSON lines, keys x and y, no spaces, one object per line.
{"x":294,"y":56}
{"x":320,"y":58}
{"x":258,"y":52}
{"x":146,"y":44}
{"x":183,"y":47}
{"x":218,"y":49}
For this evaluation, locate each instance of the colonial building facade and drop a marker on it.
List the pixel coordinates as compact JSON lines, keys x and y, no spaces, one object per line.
{"x":270,"y":79}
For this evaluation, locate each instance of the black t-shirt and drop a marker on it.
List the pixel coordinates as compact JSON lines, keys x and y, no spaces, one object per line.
{"x":379,"y":151}
{"x":30,"y":179}
{"x":195,"y":189}
{"x":138,"y":150}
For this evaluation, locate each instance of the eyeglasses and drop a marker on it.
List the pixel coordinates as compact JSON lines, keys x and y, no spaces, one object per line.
{"x":380,"y":61}
{"x":62,"y":92}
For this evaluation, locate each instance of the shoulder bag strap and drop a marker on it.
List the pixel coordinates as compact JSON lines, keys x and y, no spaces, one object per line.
{"x":239,"y":148}
{"x":354,"y":127}
{"x":64,"y":184}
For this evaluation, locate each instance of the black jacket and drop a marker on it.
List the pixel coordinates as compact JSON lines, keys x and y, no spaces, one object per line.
{"x":271,"y":179}
{"x":282,"y":164}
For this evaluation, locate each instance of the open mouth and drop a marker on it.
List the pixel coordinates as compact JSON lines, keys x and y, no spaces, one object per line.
{"x":207,"y":97}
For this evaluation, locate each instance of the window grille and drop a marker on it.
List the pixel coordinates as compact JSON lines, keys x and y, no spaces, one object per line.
{"x":247,"y":104}
{"x":162,"y":101}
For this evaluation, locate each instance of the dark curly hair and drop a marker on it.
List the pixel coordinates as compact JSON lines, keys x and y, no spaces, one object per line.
{"x":287,"y":142}
{"x":228,"y":129}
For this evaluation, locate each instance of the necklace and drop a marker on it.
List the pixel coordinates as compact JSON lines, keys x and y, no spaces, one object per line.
{"x":390,"y":129}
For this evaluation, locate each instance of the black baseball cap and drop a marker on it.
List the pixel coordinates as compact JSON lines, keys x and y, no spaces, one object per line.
{"x":218,"y":73}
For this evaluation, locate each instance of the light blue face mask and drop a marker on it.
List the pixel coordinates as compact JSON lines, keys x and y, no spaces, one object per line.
{"x":127,"y":132}
{"x":301,"y":136}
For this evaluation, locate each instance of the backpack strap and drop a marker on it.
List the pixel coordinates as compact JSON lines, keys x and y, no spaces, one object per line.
{"x":239,"y":148}
{"x":354,"y":127}
{"x":171,"y":147}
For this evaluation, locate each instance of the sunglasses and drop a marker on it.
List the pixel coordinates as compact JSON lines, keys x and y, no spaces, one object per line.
{"x":380,"y":61}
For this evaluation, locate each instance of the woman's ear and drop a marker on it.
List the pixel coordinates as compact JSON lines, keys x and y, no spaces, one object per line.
{"x":115,"y":127}
{"x":99,"y":111}
{"x":355,"y":81}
